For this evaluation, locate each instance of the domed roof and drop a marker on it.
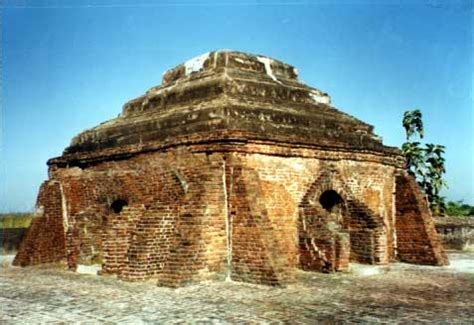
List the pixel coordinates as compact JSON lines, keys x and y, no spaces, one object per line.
{"x":225,"y":96}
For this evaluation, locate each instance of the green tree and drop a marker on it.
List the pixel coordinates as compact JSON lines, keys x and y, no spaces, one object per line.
{"x":413,"y":123}
{"x":459,"y":209}
{"x":414,"y":157}
{"x":426,"y":164}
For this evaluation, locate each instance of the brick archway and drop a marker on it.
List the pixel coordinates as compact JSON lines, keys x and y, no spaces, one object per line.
{"x":327,"y":239}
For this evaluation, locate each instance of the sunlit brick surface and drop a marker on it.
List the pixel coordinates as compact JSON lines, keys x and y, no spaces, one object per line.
{"x":232,"y":168}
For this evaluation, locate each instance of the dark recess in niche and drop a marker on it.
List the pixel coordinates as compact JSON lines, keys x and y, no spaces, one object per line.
{"x":118,"y":205}
{"x":330,"y":199}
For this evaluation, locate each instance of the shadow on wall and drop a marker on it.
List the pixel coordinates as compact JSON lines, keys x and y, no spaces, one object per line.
{"x":255,"y":250}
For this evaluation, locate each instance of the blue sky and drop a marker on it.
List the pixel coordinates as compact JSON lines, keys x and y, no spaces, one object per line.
{"x":69,"y":65}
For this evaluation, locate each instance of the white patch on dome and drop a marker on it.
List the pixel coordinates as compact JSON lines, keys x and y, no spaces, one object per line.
{"x":319,"y":97}
{"x":268,"y":68}
{"x":195,"y":64}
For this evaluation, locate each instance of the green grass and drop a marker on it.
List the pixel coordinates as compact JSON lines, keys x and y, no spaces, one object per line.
{"x":15,"y":220}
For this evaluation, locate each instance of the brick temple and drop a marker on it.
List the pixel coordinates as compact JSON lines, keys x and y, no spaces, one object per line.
{"x":234,"y":169}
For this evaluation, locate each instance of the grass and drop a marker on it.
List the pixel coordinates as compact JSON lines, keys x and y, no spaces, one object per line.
{"x":15,"y":220}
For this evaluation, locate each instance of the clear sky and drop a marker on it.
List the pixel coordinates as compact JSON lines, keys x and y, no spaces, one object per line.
{"x":69,"y":65}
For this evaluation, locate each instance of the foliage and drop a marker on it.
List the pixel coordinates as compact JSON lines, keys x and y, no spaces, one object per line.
{"x":414,"y":157}
{"x":426,"y":164}
{"x":459,"y":209}
{"x":15,"y":220}
{"x":413,"y":123}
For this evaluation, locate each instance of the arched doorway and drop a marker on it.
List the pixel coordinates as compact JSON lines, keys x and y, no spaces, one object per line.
{"x":323,"y":240}
{"x":335,"y":226}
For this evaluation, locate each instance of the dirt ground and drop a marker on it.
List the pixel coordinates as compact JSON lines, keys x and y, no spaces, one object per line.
{"x":400,"y":293}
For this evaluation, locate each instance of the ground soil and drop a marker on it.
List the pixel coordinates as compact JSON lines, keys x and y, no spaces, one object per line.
{"x":401,"y":293}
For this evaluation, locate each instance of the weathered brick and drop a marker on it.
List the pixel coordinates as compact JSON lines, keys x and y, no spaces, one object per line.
{"x":232,"y":171}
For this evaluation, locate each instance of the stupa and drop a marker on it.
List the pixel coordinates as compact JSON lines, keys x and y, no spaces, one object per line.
{"x":230,"y":169}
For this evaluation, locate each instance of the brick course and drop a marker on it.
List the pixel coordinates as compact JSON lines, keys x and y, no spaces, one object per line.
{"x":417,"y":239}
{"x":44,"y":241}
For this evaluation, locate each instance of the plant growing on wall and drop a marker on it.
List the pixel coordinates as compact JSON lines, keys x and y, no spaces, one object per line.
{"x":426,"y":164}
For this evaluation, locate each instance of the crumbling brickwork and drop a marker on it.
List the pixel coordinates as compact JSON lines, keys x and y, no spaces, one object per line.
{"x":45,"y":239}
{"x":170,"y":225}
{"x":417,"y":239}
{"x":232,"y":169}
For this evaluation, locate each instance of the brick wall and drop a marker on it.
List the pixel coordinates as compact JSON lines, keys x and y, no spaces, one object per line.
{"x":172,"y":227}
{"x":277,"y":199}
{"x":250,"y":212}
{"x":417,"y":239}
{"x":456,"y":232}
{"x":44,"y":241}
